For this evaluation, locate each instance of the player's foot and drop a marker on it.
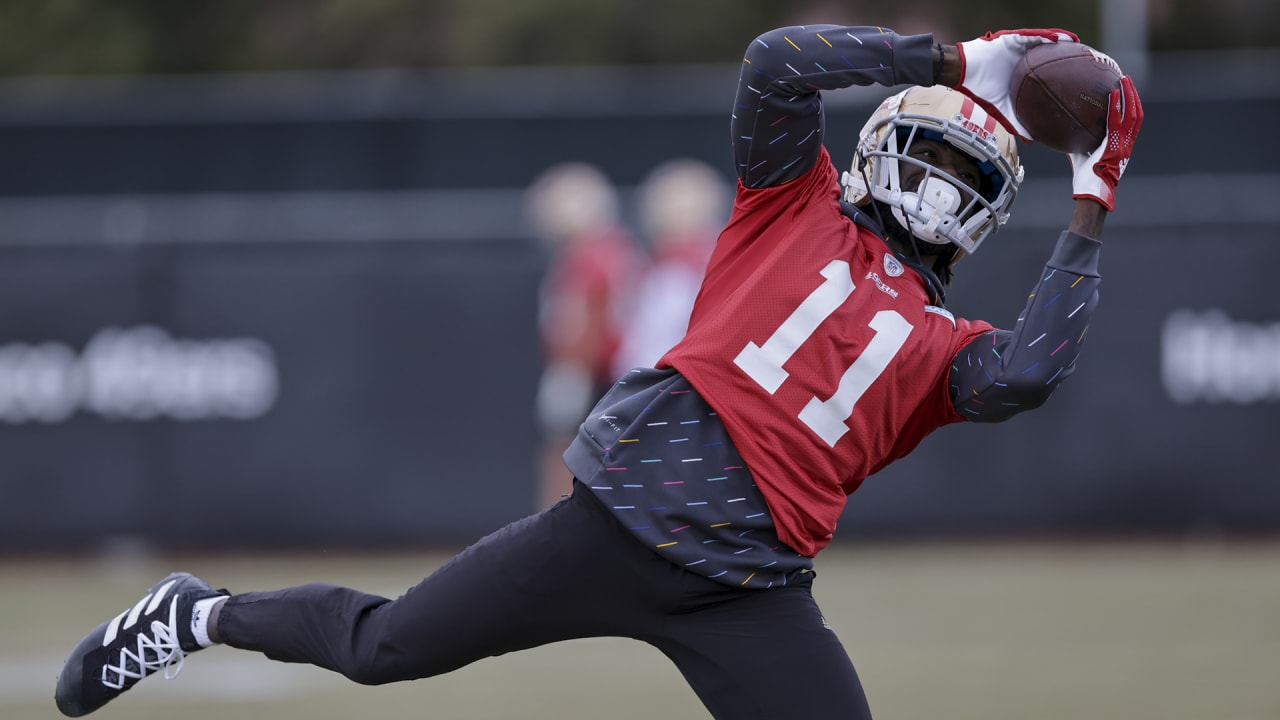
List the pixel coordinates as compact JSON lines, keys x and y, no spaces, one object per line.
{"x":155,"y":634}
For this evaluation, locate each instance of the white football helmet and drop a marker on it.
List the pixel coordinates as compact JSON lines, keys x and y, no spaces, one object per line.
{"x":941,"y":209}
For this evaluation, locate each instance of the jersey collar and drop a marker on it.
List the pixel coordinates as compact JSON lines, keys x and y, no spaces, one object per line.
{"x":932,"y":284}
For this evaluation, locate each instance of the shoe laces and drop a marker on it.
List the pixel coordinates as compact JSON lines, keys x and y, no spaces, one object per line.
{"x":159,"y":650}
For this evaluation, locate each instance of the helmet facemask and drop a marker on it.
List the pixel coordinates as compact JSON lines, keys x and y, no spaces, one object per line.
{"x":941,"y":209}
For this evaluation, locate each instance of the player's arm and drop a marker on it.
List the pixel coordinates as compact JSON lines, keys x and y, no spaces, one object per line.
{"x":1003,"y":372}
{"x":777,"y":120}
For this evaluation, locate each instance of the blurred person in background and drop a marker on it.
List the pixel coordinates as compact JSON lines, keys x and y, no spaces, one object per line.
{"x":819,"y":351}
{"x":586,"y":294}
{"x":682,"y":205}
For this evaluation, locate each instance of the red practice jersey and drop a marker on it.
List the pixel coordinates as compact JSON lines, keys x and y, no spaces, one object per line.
{"x":818,"y":350}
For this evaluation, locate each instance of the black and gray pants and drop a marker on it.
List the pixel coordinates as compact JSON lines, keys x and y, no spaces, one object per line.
{"x":569,"y":572}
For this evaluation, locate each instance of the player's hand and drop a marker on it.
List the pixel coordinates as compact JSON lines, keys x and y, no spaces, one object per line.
{"x":986,"y":67}
{"x":1096,"y":174}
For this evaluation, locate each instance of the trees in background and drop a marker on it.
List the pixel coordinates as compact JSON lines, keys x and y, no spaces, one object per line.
{"x":80,"y":37}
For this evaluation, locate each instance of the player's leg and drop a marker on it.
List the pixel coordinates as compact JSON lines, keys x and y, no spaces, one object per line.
{"x":507,"y":592}
{"x":512,"y":590}
{"x":765,"y":654}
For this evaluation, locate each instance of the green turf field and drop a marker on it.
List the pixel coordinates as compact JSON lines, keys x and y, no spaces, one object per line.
{"x":1134,"y":631}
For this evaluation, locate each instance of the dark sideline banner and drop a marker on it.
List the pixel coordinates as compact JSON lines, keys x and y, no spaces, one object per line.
{"x":328,"y":396}
{"x":310,"y":395}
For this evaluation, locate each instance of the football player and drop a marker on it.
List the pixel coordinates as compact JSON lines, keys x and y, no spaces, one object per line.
{"x":820,"y":350}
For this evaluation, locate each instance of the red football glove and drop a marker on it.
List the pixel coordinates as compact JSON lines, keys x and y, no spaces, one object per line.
{"x":987,"y":67}
{"x":1096,"y":174}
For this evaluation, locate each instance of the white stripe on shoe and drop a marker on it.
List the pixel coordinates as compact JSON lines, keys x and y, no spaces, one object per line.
{"x":136,"y":612}
{"x":160,"y":596}
{"x":113,"y":629}
{"x":150,"y":602}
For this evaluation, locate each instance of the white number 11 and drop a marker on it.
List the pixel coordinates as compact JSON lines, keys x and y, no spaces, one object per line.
{"x":763,"y":363}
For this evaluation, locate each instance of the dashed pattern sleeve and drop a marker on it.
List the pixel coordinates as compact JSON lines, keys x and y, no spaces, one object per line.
{"x":1003,"y":373}
{"x":777,"y":123}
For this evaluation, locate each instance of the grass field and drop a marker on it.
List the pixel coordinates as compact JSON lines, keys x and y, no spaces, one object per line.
{"x":1041,"y":631}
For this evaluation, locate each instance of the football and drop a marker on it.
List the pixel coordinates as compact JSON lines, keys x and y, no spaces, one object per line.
{"x":1059,"y":93}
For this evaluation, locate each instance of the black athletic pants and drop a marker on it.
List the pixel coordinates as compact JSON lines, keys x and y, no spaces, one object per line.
{"x":569,"y":572}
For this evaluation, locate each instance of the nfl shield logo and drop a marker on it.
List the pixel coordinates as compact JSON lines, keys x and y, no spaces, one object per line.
{"x":892,"y":267}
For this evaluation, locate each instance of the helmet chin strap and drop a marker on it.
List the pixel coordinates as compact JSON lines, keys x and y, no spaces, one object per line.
{"x":906,"y":249}
{"x":916,"y":261}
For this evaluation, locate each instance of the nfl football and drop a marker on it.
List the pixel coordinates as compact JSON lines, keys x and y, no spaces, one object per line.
{"x":1060,"y":93}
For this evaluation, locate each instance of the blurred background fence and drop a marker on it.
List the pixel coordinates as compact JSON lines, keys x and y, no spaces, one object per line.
{"x":303,"y":305}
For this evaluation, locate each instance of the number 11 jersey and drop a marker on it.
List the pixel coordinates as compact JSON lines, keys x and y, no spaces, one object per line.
{"x":820,"y":352}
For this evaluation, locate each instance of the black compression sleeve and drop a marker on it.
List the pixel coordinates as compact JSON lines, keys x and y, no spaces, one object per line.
{"x":1004,"y":373}
{"x":777,"y":124}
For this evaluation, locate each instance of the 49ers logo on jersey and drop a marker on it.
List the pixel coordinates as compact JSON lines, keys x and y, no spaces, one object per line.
{"x":764,"y":363}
